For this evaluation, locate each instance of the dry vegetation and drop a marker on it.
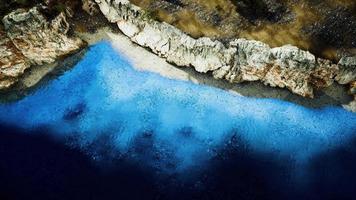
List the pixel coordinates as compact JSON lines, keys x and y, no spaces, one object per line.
{"x":324,"y":27}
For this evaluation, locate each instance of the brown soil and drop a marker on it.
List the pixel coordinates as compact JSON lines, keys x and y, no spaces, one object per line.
{"x":326,"y":28}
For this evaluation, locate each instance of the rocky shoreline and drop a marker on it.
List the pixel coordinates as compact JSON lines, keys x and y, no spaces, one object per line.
{"x":143,"y":60}
{"x":29,"y":39}
{"x":236,"y":61}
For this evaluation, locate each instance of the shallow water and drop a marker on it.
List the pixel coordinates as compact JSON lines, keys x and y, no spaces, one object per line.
{"x":183,"y":135}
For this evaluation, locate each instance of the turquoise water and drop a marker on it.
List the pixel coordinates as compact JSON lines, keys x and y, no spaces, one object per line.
{"x":167,"y":124}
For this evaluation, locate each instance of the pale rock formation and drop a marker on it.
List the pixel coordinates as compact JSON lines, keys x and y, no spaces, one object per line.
{"x":29,"y":39}
{"x":352,"y":105}
{"x":240,"y":60}
{"x":12,"y":62}
{"x":90,"y":7}
{"x":348,"y":73}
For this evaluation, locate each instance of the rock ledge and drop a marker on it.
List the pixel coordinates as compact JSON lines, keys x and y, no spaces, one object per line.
{"x":29,"y":39}
{"x":238,"y":61}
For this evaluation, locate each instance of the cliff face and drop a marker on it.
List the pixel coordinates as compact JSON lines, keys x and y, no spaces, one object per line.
{"x":29,"y":39}
{"x":237,"y":60}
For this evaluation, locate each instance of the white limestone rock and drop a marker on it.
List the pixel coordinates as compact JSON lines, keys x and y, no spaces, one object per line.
{"x":240,"y":60}
{"x":29,"y":39}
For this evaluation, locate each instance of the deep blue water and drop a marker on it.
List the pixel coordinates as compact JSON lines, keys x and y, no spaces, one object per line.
{"x":106,"y":131}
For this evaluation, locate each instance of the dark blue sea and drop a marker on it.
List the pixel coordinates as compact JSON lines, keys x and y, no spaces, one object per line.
{"x":104,"y":130}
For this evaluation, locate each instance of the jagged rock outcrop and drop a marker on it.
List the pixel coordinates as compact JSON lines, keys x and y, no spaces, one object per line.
{"x":239,"y":60}
{"x":29,"y":39}
{"x":12,"y":62}
{"x":90,"y":7}
{"x":348,"y":74}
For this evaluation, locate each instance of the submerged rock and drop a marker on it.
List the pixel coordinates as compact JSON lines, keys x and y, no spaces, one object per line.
{"x":29,"y":39}
{"x":237,"y":61}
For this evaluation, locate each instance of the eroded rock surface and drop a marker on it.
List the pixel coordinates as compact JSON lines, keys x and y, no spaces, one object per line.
{"x":90,"y":7}
{"x":352,"y":63}
{"x":236,"y":61}
{"x":12,"y":62}
{"x":29,"y":39}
